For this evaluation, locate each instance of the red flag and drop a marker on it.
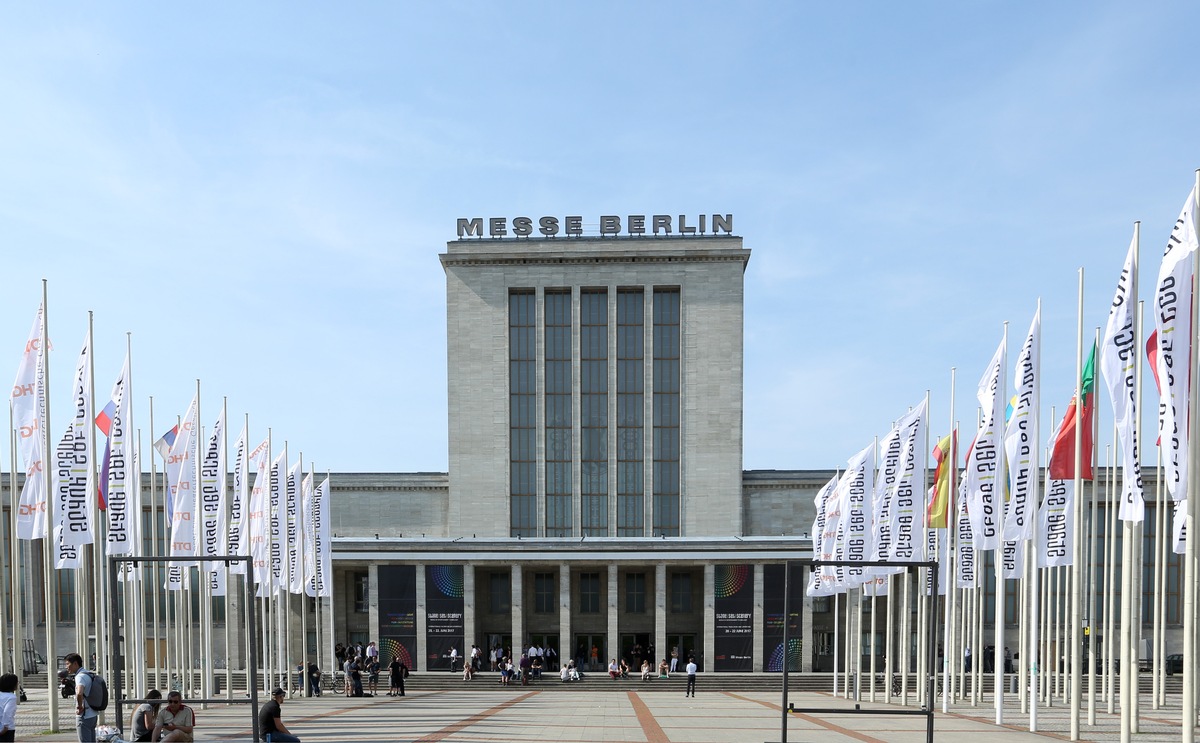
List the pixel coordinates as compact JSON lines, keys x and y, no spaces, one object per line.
{"x":1062,"y":458}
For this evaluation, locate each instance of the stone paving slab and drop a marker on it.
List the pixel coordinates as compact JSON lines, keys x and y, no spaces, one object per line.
{"x":637,"y":716}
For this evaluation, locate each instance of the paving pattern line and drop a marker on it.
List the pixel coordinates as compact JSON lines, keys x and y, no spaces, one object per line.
{"x":650,"y":727}
{"x":331,"y":713}
{"x":478,"y":717}
{"x":809,"y":718}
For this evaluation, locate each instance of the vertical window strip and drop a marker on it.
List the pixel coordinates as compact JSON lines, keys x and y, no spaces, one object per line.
{"x":630,"y":415}
{"x":666,"y":413}
{"x":522,"y":321}
{"x":559,"y":451}
{"x":593,"y":360}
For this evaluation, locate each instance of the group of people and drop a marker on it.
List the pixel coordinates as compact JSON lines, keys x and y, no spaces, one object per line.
{"x":622,"y":670}
{"x":358,"y":661}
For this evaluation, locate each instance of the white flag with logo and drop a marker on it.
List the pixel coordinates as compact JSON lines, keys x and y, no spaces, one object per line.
{"x":1118,"y":366}
{"x":238,"y":542}
{"x":1020,"y":440}
{"x":320,"y":532}
{"x":278,"y":518}
{"x":28,"y":402}
{"x":294,"y":523}
{"x":181,"y":479}
{"x":1056,"y":535}
{"x":982,"y":477}
{"x":258,"y":517}
{"x":211,"y":507}
{"x":855,"y":487}
{"x":73,"y":472}
{"x":816,"y":583}
{"x":1173,"y":321}
{"x":908,"y":511}
{"x":124,"y":505}
{"x":965,"y":544}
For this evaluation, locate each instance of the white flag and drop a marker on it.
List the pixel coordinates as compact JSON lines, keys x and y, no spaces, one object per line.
{"x":965,"y":544}
{"x":982,"y":477}
{"x":854,"y":487}
{"x":891,"y":451}
{"x":908,"y":512}
{"x":1013,"y":560}
{"x":28,"y":402}
{"x":181,"y":480}
{"x":278,"y":517}
{"x":238,"y":542}
{"x":816,"y":583}
{"x":72,"y":477}
{"x":1173,"y":320}
{"x":1056,"y":535}
{"x":294,"y":524}
{"x":1118,"y":366}
{"x":1179,"y":527}
{"x":1021,"y":437}
{"x":211,"y":508}
{"x":319,"y":528}
{"x":131,"y":571}
{"x":124,"y":507}
{"x":258,"y":518}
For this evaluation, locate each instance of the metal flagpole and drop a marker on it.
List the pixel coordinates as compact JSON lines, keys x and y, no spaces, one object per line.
{"x":1112,"y":643}
{"x":285,"y":593}
{"x":1093,"y":569}
{"x":14,"y":495}
{"x":949,"y":649}
{"x":229,"y":593}
{"x":305,"y":689}
{"x":1188,"y":715}
{"x":205,"y":587}
{"x":1162,"y":539}
{"x":889,"y":663}
{"x":47,"y":562}
{"x":1077,"y":552}
{"x":1139,"y":556}
{"x":998,"y":614}
{"x":836,"y":603}
{"x":1028,"y":668}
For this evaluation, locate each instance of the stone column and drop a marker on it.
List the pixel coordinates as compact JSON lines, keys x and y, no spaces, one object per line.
{"x":614,"y":640}
{"x":710,"y":617}
{"x":759,"y":663}
{"x":470,"y":631}
{"x":421,"y":660}
{"x":808,"y":643}
{"x":565,"y":648}
{"x":518,"y":613}
{"x":660,"y":614}
{"x":372,"y":604}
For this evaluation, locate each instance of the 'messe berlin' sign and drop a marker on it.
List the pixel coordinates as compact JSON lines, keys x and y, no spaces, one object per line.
{"x":635,"y":224}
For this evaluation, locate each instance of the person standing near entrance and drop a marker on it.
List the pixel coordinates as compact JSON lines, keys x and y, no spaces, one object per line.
{"x":674,"y":659}
{"x":85,"y":716}
{"x":691,"y":674}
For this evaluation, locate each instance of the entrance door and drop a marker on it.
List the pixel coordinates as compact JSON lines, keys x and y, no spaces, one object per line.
{"x":635,"y":647}
{"x":591,"y":652}
{"x":685,"y":647}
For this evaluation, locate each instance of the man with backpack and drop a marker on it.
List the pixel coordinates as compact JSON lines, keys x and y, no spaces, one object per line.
{"x":91,"y":697}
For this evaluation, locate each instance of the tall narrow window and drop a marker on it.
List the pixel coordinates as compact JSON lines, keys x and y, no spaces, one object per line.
{"x":635,"y":593}
{"x":666,"y":412}
{"x":558,"y":412}
{"x":589,"y":593}
{"x":593,"y":423}
{"x":522,"y":351}
{"x":630,"y":415}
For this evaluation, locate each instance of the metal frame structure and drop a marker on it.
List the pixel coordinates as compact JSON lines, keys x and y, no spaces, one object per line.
{"x":909,"y":567}
{"x":118,"y":657}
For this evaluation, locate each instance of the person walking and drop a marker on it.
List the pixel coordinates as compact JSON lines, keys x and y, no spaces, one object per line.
{"x":270,"y":720}
{"x":691,"y":674}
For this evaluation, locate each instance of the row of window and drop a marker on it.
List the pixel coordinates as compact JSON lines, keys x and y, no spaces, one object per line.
{"x":558,"y":401}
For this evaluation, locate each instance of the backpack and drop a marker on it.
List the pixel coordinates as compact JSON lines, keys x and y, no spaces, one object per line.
{"x":97,"y":696}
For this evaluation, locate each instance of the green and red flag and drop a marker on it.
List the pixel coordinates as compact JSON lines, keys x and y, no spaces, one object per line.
{"x":1062,"y":458}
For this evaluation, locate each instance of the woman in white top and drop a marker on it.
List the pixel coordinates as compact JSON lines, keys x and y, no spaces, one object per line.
{"x":8,"y":707}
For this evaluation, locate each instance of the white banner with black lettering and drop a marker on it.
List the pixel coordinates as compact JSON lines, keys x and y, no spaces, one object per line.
{"x":321,"y":583}
{"x":908,"y":507}
{"x":822,"y":540}
{"x":1021,"y":437}
{"x":1056,"y":535}
{"x":237,"y":542}
{"x":982,"y":476}
{"x":294,"y":523}
{"x":73,"y":472}
{"x":855,"y":485}
{"x":278,"y":517}
{"x":124,"y":510}
{"x":1173,"y":322}
{"x":212,"y":506}
{"x":1118,"y":366}
{"x":965,"y":544}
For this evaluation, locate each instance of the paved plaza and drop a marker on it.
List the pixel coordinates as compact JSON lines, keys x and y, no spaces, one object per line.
{"x":483,"y":714}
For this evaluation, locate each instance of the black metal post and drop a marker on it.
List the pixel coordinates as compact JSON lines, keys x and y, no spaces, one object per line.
{"x":787,"y":617}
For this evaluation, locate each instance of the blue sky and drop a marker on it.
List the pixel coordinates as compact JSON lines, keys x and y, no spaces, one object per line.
{"x":259,"y":192}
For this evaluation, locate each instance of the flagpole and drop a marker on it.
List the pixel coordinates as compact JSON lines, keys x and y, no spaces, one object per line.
{"x":47,"y":562}
{"x":229,"y":593}
{"x":1077,"y":551}
{"x":998,"y":614}
{"x":155,"y":577}
{"x":1139,"y":561}
{"x":949,"y":648}
{"x":1160,"y":587}
{"x":1110,"y":628}
{"x":1093,"y":567}
{"x":1188,"y":713}
{"x":18,"y":649}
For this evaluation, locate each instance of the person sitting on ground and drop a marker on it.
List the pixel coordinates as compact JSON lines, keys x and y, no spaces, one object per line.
{"x":536,"y":668}
{"x":506,"y":670}
{"x":647,"y":670}
{"x":614,"y":670}
{"x":664,"y":669}
{"x":144,"y":716}
{"x":564,"y":674}
{"x":175,"y":722}
{"x":468,"y":671}
{"x":625,"y":667}
{"x":270,"y":720}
